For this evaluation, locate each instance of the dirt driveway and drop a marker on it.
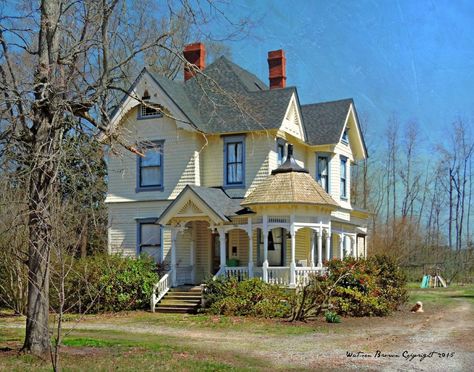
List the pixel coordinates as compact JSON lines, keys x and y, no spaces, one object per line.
{"x":440,"y":339}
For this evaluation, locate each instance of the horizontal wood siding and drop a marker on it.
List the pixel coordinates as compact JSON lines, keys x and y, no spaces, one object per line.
{"x":257,"y":152}
{"x":203,"y":250}
{"x":179,"y":159}
{"x":123,"y":224}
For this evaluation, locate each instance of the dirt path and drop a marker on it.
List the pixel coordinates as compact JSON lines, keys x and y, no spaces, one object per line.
{"x":396,"y":343}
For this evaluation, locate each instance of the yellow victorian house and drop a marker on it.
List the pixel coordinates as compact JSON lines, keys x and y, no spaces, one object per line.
{"x":237,"y":178}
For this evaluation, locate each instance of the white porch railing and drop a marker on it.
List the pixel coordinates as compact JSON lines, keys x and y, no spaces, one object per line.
{"x":279,"y":275}
{"x":160,"y":289}
{"x":240,"y":272}
{"x":258,"y":272}
{"x":276,"y":274}
{"x":302,"y":274}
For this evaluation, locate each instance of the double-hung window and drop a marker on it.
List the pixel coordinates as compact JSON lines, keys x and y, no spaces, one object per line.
{"x":343,"y":177}
{"x":150,"y":168}
{"x":234,"y":161}
{"x":322,"y":171}
{"x":149,"y":239}
{"x":281,"y":157}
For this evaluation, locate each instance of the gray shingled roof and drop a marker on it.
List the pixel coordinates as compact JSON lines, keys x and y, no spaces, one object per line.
{"x":229,"y":99}
{"x":218,"y":201}
{"x":325,"y":121}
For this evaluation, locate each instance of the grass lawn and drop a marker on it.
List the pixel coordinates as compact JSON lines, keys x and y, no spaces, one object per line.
{"x":441,"y":296}
{"x":145,"y":341}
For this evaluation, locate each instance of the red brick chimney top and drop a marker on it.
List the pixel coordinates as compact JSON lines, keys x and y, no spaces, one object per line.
{"x":196,"y":54}
{"x":277,"y":68}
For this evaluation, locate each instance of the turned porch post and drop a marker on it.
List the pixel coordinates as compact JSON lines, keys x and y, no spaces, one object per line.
{"x":320,"y":248}
{"x":328,"y":246}
{"x":265,"y":249}
{"x":192,"y":254}
{"x":353,"y":247}
{"x":293,"y":253}
{"x":174,"y":233}
{"x":341,"y":246}
{"x":249,"y":233}
{"x":222,"y":238}
{"x":313,"y":249}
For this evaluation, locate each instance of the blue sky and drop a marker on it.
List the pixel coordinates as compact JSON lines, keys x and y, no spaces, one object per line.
{"x":411,"y":58}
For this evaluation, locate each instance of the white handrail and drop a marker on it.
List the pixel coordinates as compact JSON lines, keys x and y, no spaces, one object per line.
{"x":160,"y":289}
{"x":219,"y":273}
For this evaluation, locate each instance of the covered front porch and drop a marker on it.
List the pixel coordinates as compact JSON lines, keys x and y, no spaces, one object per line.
{"x":279,"y":249}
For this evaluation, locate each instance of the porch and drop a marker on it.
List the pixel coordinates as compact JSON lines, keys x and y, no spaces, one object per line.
{"x":282,"y":250}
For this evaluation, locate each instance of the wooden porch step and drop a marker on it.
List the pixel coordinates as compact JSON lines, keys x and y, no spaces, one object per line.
{"x":183,"y":299}
{"x":175,"y":310}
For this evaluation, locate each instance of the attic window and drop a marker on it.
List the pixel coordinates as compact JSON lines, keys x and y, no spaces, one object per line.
{"x":147,"y":110}
{"x":345,"y":136}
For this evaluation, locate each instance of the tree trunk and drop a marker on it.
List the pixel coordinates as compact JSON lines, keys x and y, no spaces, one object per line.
{"x":42,"y":193}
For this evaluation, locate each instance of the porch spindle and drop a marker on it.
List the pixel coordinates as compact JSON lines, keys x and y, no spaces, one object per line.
{"x":265,"y":249}
{"x":320,"y":248}
{"x":249,"y":232}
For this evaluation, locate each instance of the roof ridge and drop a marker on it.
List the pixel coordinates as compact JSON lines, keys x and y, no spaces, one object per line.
{"x":324,"y":102}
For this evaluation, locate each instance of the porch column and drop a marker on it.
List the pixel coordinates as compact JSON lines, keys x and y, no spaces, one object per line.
{"x":174,"y":233}
{"x":221,"y":232}
{"x":313,"y":249}
{"x":250,"y":234}
{"x":265,"y":249}
{"x":328,"y":246}
{"x":341,"y":246}
{"x":192,"y":254}
{"x":353,"y":246}
{"x":293,"y":254}
{"x":320,"y":248}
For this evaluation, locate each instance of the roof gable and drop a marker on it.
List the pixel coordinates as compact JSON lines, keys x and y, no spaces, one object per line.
{"x":292,"y":122}
{"x":356,"y":139}
{"x":146,"y":82}
{"x":196,"y":201}
{"x":324,"y":122}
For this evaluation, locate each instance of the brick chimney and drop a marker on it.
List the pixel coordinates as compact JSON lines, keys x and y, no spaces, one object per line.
{"x":196,"y":54}
{"x":277,"y":68}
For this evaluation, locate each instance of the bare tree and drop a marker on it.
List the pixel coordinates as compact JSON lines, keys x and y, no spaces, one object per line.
{"x":74,"y":58}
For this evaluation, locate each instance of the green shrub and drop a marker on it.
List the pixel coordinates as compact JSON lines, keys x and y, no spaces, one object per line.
{"x":332,"y":317}
{"x":250,"y":297}
{"x":103,"y":283}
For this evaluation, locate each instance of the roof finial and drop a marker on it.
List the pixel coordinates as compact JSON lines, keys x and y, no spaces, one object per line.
{"x":290,"y":164}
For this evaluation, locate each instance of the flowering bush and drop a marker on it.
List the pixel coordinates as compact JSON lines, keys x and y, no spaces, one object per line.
{"x":362,"y":287}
